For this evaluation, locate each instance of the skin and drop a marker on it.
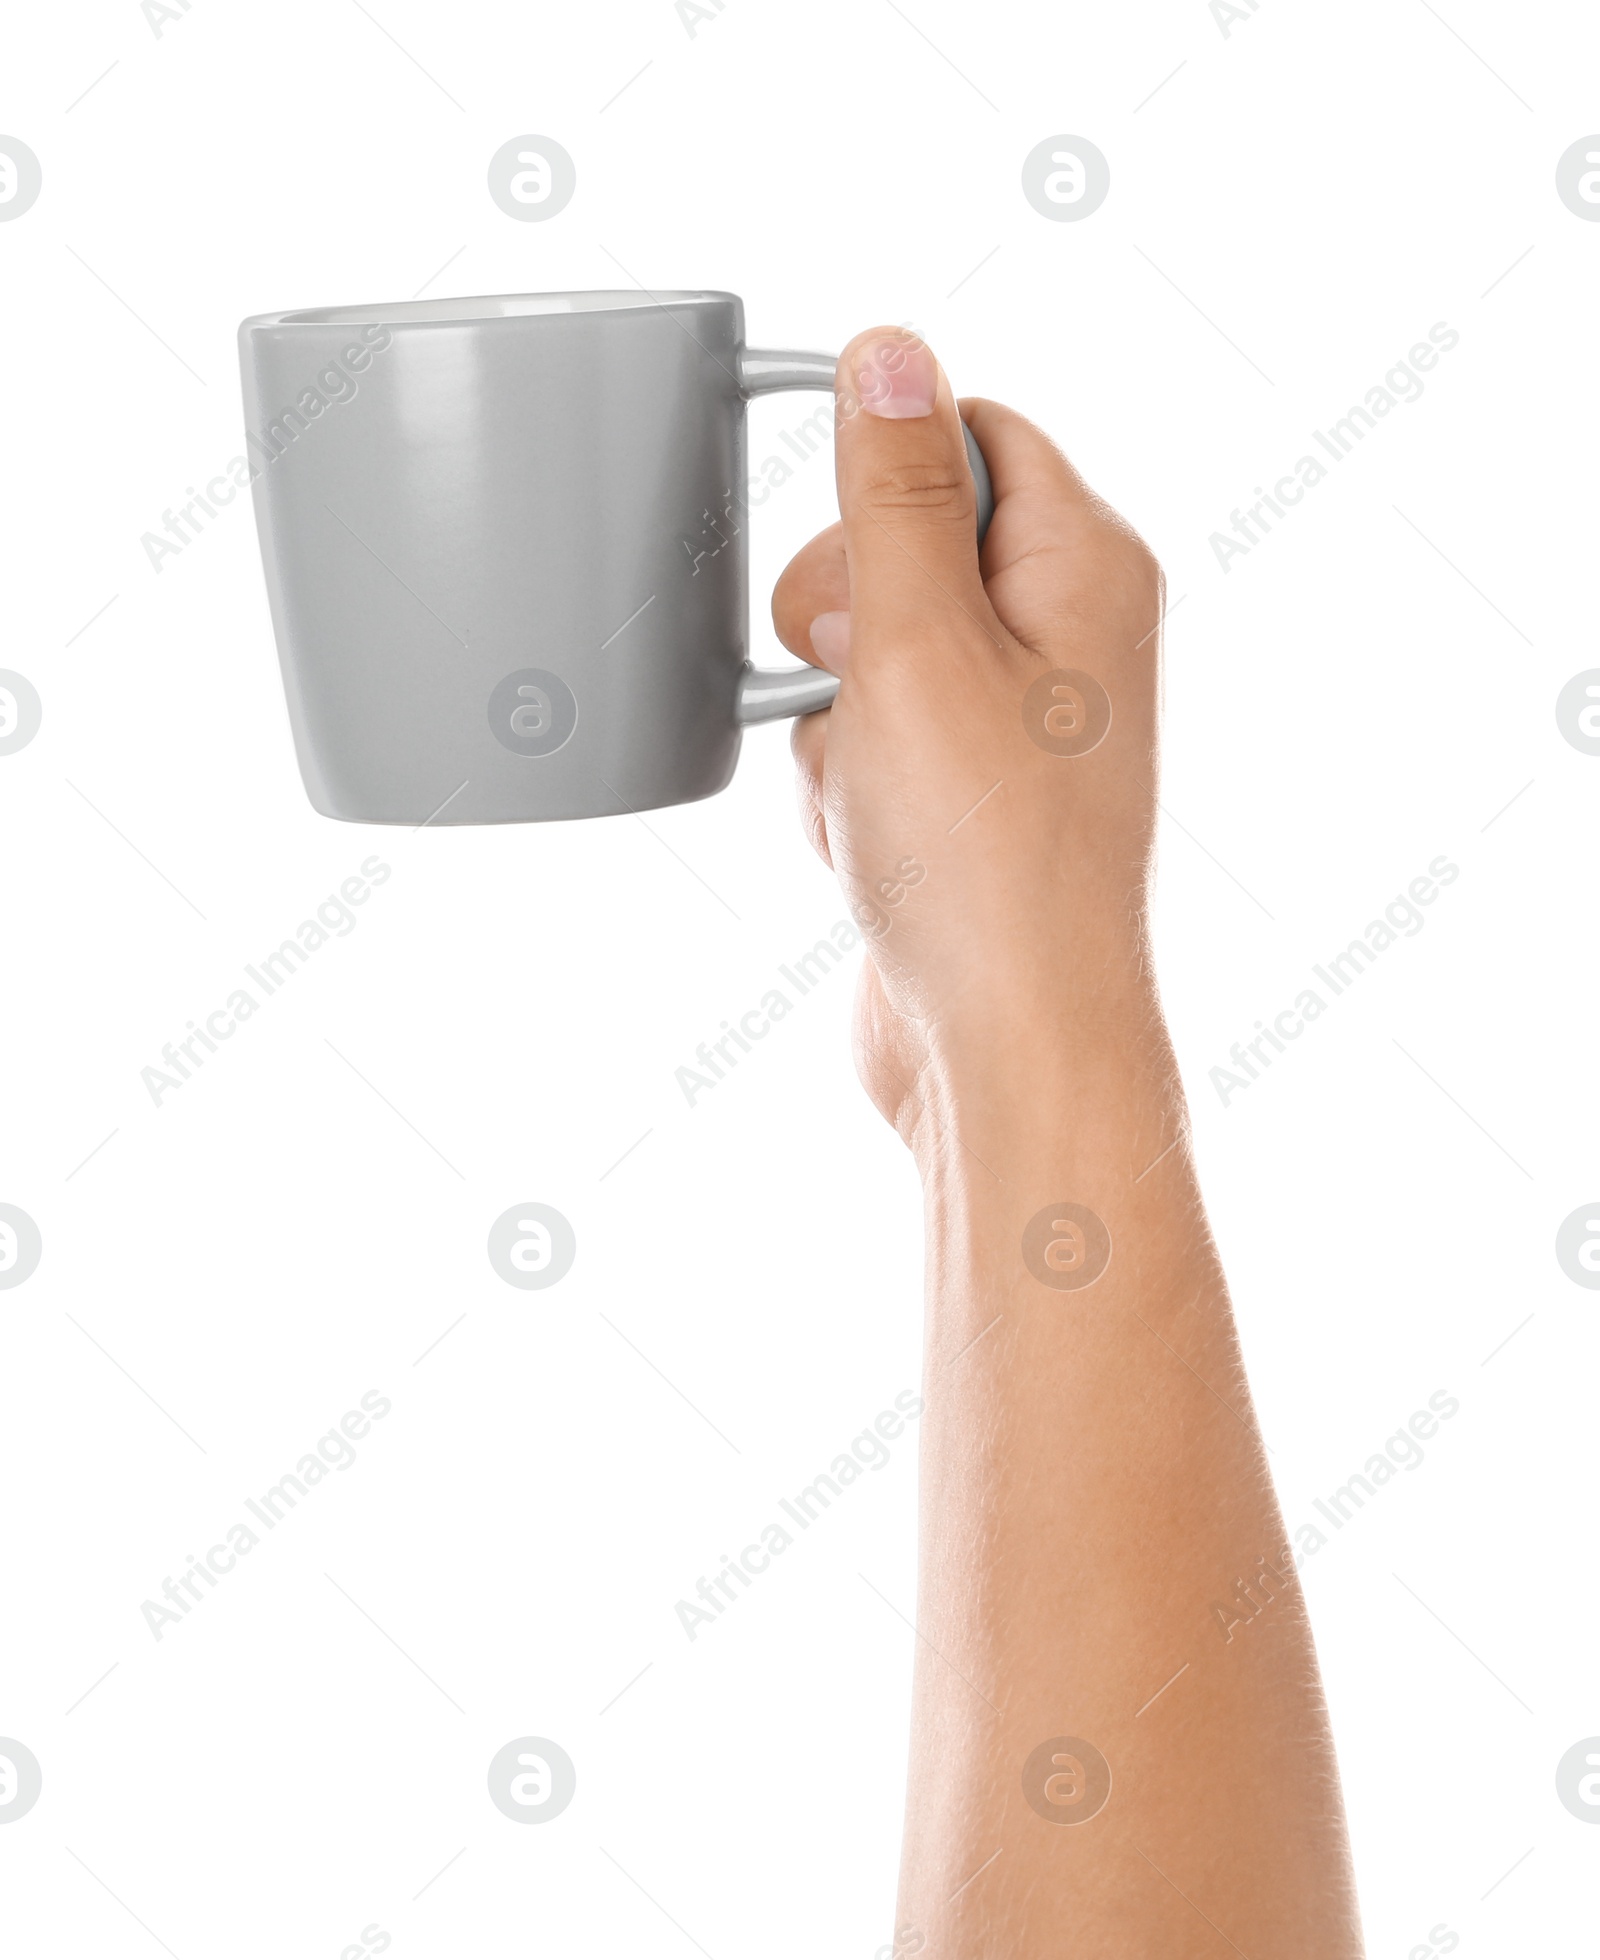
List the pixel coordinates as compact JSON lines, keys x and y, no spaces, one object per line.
{"x":1097,"y":1515}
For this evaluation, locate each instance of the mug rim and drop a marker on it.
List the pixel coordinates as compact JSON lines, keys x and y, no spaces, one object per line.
{"x":478,"y":310}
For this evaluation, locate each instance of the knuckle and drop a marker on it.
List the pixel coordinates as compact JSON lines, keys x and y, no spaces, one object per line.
{"x":1128,"y":570}
{"x":1146,"y":565}
{"x":1140,"y":563}
{"x":1143,"y":577}
{"x":930,"y":489}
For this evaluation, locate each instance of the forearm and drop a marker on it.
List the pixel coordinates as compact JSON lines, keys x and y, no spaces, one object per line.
{"x":1094,"y":1485}
{"x":1094,"y":1491}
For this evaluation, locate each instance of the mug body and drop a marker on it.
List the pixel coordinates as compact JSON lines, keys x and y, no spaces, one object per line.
{"x":503,"y":550}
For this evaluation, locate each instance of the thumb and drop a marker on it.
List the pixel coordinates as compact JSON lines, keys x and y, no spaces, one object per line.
{"x":906,"y":495}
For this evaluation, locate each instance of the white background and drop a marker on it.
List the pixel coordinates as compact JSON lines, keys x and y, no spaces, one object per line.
{"x":227,"y":1275}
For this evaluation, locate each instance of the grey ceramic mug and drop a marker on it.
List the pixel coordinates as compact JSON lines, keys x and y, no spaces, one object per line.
{"x":506,"y":550}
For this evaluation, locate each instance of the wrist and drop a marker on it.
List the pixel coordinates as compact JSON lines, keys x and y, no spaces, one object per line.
{"x":1043,"y":1083}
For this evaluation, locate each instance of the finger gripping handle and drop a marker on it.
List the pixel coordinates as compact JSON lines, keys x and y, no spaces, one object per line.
{"x":776,"y":693}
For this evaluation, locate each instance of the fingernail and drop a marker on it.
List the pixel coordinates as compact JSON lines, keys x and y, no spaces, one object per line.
{"x":830,"y":640}
{"x":898,"y":381}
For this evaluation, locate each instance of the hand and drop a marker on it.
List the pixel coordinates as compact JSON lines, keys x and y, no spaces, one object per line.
{"x":1093,"y":1478}
{"x":992,"y":878}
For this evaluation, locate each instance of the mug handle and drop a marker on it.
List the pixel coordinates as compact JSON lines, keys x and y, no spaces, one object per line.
{"x":774,"y":693}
